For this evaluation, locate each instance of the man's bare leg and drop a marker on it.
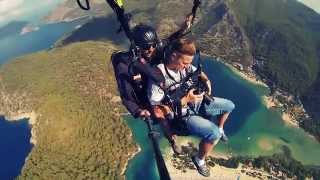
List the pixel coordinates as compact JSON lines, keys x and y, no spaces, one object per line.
{"x":204,"y":149}
{"x":170,"y":136}
{"x":222,"y":120}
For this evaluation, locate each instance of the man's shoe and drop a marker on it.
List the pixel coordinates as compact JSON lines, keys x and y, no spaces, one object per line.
{"x":203,"y":170}
{"x":224,"y":137}
{"x":176,"y":148}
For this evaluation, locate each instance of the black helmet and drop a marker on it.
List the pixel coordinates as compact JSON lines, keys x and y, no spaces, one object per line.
{"x":144,"y":36}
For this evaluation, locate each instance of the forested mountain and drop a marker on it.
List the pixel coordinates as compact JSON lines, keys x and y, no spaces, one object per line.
{"x":284,"y":35}
{"x":285,"y":42}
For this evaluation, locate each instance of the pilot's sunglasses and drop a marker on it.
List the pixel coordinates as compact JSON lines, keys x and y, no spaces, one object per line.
{"x":148,"y":46}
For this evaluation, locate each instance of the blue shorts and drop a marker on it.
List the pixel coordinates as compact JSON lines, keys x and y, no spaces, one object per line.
{"x":206,"y":129}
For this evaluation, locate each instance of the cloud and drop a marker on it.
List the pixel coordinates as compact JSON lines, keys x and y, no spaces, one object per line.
{"x":10,"y":9}
{"x":6,"y":6}
{"x":24,"y":9}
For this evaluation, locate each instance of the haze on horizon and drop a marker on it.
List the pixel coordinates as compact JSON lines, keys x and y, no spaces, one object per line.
{"x":313,"y":4}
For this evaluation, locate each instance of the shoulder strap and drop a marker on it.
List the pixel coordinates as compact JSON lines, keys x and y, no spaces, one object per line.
{"x":171,"y":77}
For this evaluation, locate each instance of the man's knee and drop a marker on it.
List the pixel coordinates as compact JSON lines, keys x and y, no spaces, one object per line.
{"x":213,"y":135}
{"x":230,"y":106}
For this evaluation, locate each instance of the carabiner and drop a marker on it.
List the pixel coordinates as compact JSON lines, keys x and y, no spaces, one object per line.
{"x":87,"y":7}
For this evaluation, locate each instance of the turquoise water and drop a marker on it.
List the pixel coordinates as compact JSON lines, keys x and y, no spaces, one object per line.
{"x":252,"y":128}
{"x":143,"y":166}
{"x":14,"y":147}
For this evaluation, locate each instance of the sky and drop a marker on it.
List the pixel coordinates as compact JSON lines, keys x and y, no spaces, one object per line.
{"x":314,"y":4}
{"x":29,"y":10}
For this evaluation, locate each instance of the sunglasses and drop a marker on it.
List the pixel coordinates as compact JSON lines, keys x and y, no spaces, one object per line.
{"x":147,"y":46}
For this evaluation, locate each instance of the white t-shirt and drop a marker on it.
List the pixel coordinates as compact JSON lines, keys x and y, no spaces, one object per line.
{"x":156,"y":94}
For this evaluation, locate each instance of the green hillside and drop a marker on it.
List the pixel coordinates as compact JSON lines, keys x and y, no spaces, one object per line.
{"x":80,"y":134}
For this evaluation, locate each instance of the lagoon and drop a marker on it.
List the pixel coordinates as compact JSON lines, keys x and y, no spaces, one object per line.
{"x":18,"y":45}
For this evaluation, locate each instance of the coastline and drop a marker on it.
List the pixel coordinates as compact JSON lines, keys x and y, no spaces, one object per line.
{"x":249,"y":77}
{"x":287,"y":116}
{"x":32,"y":120}
{"x":252,"y":77}
{"x":268,"y":101}
{"x":288,"y":119}
{"x":131,"y":156}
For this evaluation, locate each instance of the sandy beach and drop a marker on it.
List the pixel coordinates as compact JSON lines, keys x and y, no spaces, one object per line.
{"x":217,"y":172}
{"x":286,"y":117}
{"x":268,"y":101}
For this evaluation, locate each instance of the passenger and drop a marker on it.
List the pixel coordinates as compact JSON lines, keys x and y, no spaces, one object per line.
{"x":176,"y":67}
